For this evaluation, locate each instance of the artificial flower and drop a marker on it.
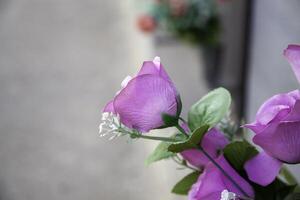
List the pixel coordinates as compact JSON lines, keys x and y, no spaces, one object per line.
{"x":292,"y":53}
{"x":211,"y":183}
{"x":262,"y":168}
{"x":144,"y":99}
{"x":277,"y":127}
{"x":212,"y":142}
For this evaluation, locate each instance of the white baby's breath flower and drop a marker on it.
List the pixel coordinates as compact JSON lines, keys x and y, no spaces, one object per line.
{"x":109,"y":125}
{"x":226,"y":195}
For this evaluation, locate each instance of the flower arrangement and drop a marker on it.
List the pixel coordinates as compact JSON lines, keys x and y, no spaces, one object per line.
{"x":190,"y":20}
{"x":224,"y":164}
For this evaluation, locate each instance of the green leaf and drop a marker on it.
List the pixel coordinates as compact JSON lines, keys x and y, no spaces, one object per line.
{"x":287,"y":176}
{"x":192,"y":142}
{"x":198,"y":134}
{"x":293,"y":196}
{"x":297,"y":189}
{"x":160,"y":152}
{"x":185,"y":184}
{"x":210,"y":109}
{"x":277,"y":190}
{"x":237,"y":153}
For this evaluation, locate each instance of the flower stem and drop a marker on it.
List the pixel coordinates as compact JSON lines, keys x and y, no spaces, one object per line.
{"x":224,"y":172}
{"x":183,"y":163}
{"x":183,"y":120}
{"x":216,"y":164}
{"x":182,"y":130}
{"x":165,"y":139}
{"x":134,"y":135}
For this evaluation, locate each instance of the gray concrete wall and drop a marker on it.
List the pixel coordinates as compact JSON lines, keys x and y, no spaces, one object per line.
{"x":60,"y":62}
{"x":275,"y":25}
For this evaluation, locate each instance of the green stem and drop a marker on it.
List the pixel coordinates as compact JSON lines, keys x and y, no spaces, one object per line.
{"x":217,"y":165}
{"x":183,"y":120}
{"x":181,"y":162}
{"x":165,"y":139}
{"x":182,"y":130}
{"x":139,"y":135}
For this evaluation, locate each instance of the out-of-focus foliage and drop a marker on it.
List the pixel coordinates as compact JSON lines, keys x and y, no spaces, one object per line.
{"x":195,"y":21}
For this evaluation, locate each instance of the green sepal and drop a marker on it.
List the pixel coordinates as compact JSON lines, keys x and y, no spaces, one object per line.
{"x":185,"y":184}
{"x":237,"y":153}
{"x":192,"y":142}
{"x":169,"y":120}
{"x":210,"y":109}
{"x":179,"y":105}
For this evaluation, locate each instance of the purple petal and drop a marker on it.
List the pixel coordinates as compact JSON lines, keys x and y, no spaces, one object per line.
{"x":255,"y":127}
{"x":262,"y":168}
{"x":294,"y":115}
{"x":109,"y":107}
{"x":295,"y":94}
{"x":275,"y":108}
{"x":212,"y":142}
{"x":292,"y":53}
{"x":155,"y":68}
{"x":212,"y":182}
{"x":208,"y":187}
{"x":142,"y":102}
{"x":281,"y":141}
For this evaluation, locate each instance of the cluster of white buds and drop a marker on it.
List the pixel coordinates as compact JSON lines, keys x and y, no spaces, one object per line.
{"x":226,"y":195}
{"x":110,"y":124}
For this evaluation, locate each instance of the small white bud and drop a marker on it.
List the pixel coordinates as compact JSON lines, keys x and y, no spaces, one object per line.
{"x":226,"y":195}
{"x":156,"y":62}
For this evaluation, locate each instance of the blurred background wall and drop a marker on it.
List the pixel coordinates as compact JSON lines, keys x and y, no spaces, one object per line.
{"x":62,"y":60}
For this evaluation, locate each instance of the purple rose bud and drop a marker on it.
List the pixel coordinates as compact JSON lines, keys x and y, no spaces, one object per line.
{"x":277,"y":127}
{"x":211,"y":183}
{"x":145,"y":98}
{"x":212,"y":142}
{"x":292,"y":53}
